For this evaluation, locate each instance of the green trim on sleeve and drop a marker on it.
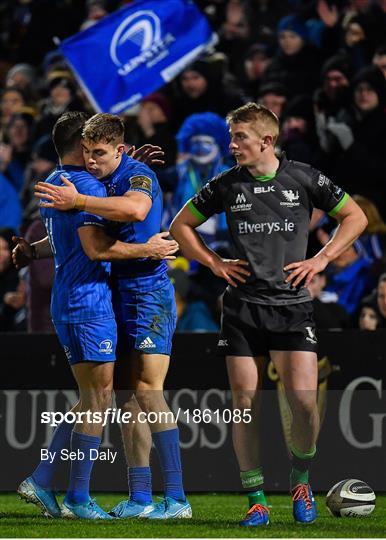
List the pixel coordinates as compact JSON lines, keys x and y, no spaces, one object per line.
{"x":196,"y":212}
{"x":339,"y":206}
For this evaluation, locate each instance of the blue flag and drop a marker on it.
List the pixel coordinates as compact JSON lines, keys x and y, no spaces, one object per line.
{"x":135,"y":50}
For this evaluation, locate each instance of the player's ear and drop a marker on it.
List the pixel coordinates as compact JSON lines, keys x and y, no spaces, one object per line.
{"x":120,"y":149}
{"x":267,"y":141}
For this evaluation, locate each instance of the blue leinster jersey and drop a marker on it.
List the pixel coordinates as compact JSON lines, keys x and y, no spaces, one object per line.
{"x":81,"y":292}
{"x":138,"y":275}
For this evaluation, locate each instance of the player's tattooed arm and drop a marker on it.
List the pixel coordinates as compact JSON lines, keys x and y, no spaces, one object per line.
{"x":352,"y":222}
{"x":133,"y":206}
{"x":24,"y":252}
{"x":193,"y":247}
{"x":98,"y":246}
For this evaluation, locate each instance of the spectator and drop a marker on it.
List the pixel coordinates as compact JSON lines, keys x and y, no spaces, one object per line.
{"x":273,"y":96}
{"x":328,"y":314}
{"x":12,"y":101}
{"x":62,"y":97}
{"x":96,"y":11}
{"x":373,"y":240}
{"x":377,"y":300}
{"x":379,"y":59}
{"x":332,"y":97}
{"x":201,"y":88}
{"x":369,"y":318}
{"x":40,"y":279}
{"x":298,"y":137}
{"x":44,"y":158}
{"x":154,"y":123}
{"x":23,"y":77}
{"x":9,"y":281}
{"x":355,"y":141}
{"x":15,"y":156}
{"x":349,"y":277}
{"x":256,"y":61}
{"x":296,"y":62}
{"x":203,"y":141}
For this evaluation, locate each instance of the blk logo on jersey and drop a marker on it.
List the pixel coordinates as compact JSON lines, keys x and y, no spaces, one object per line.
{"x":264,"y":189}
{"x":291,"y":198}
{"x":241,"y":204}
{"x":106,"y":346}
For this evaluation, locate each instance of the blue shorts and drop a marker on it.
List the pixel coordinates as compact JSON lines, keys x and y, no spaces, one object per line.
{"x":147,"y":320}
{"x":93,"y":341}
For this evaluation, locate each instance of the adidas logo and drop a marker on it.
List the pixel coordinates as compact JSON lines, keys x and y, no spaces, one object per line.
{"x":147,"y":344}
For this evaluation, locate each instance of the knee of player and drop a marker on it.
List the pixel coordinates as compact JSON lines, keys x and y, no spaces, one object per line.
{"x":244,"y":399}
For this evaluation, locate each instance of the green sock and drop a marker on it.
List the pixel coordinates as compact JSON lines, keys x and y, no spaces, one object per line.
{"x":298,"y":477}
{"x":256,"y":497}
{"x":300,"y":464}
{"x":253,"y":480}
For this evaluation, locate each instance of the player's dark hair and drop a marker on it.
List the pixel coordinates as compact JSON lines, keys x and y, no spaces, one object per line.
{"x":67,"y":132}
{"x":266,"y":122}
{"x":104,"y":127}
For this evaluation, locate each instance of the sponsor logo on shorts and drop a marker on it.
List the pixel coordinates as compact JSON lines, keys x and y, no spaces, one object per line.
{"x":67,"y":352}
{"x":244,"y":227}
{"x":106,"y":346}
{"x":222,"y":343}
{"x":241,"y":204}
{"x":264,"y":189}
{"x":311,"y":337}
{"x":147,"y":343}
{"x":291,"y":198}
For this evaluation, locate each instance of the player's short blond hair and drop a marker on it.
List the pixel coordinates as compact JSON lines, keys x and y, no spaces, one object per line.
{"x":264,"y":121}
{"x":105,"y":128}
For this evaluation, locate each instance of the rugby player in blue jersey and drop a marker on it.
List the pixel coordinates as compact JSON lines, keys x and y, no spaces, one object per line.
{"x":84,"y":320}
{"x":144,"y":306}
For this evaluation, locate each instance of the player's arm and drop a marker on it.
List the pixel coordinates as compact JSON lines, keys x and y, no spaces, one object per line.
{"x":352,"y":222}
{"x":98,"y":246}
{"x":132,"y":206}
{"x":24,"y":252}
{"x":193,"y":247}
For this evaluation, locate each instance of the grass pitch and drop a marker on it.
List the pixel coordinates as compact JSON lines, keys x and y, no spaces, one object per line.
{"x":214,"y":515}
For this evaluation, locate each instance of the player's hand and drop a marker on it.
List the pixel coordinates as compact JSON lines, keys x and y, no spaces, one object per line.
{"x":21,"y":253}
{"x":231,"y":270}
{"x":305,"y":270}
{"x":161,"y":248}
{"x":148,"y":153}
{"x":59,"y":197}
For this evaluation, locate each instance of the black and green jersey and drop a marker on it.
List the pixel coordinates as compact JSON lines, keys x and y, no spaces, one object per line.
{"x":268,"y":220}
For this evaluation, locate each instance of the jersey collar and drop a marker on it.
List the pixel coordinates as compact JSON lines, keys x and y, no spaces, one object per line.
{"x":283,"y":162}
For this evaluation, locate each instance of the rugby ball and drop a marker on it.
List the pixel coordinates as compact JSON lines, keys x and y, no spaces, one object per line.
{"x":350,"y":498}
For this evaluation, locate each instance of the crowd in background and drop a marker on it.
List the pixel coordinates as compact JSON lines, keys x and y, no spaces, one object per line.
{"x":320,"y":65}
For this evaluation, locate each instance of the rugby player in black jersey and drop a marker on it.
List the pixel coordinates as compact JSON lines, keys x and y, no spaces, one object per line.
{"x":267,"y":308}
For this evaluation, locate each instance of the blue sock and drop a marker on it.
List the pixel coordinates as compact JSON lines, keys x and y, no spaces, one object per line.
{"x":167,"y":444}
{"x":78,"y":488}
{"x":44,"y":473}
{"x":140,"y":484}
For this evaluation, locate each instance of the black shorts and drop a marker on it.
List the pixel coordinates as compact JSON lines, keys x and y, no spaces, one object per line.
{"x":249,"y":329}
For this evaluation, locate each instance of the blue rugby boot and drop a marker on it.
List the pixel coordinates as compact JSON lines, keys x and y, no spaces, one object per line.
{"x":87,"y":510}
{"x":131,"y":509}
{"x":45,"y":499}
{"x":304,"y":506}
{"x":257,"y":515}
{"x":170,"y":508}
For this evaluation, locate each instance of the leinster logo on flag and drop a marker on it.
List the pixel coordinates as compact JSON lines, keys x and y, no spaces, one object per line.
{"x":137,"y":49}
